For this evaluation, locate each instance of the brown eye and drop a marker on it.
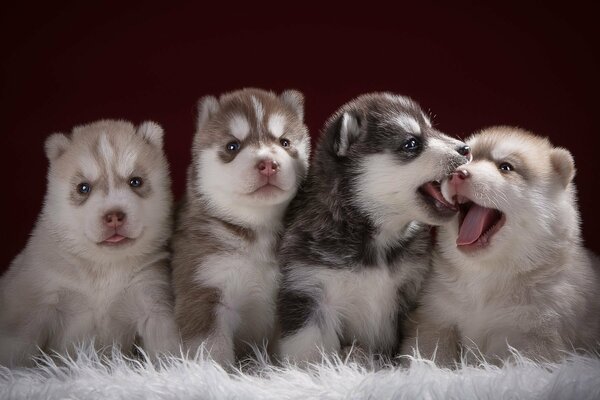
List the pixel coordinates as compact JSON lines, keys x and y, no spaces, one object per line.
{"x":506,"y":167}
{"x":285,"y":142}
{"x":136,"y":182}
{"x":232,"y":146}
{"x":84,"y":188}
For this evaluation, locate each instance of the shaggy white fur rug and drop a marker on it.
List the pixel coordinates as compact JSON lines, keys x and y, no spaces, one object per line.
{"x":90,"y":376}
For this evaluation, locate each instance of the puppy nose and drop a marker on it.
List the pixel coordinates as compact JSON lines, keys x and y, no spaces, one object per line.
{"x":114,"y":219}
{"x":464,"y":150}
{"x":459,"y":176}
{"x":268,"y":167}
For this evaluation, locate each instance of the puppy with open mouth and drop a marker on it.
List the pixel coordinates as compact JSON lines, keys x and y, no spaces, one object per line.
{"x":510,"y":270}
{"x":357,"y":242}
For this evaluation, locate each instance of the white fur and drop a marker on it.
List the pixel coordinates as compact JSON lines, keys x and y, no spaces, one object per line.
{"x":88,"y":377}
{"x":64,"y":288}
{"x":239,"y":126}
{"x":533,"y":287}
{"x":380,"y":172}
{"x":259,"y":110}
{"x":231,"y":198}
{"x":408,"y":123}
{"x":276,"y":125}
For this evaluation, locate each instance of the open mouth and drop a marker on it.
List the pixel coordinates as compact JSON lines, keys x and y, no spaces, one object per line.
{"x":433,"y":196}
{"x":477,"y":224}
{"x":115,"y":240}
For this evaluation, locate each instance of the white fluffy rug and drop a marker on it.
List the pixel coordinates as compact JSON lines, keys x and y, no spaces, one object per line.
{"x":89,"y":377}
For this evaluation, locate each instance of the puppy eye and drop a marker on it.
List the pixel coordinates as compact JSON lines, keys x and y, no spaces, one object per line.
{"x":285,"y":142}
{"x":411,"y":145}
{"x":506,"y":167}
{"x":136,"y":182}
{"x":233,"y":146}
{"x":84,"y":188}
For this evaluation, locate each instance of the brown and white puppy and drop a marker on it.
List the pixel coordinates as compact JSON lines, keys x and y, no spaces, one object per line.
{"x":95,"y":267}
{"x":510,"y":270}
{"x":250,"y":153}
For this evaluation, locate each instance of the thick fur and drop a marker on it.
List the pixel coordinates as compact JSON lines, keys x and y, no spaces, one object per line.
{"x":534,"y":287}
{"x":68,"y":285}
{"x":357,"y":243}
{"x":224,"y":263}
{"x":89,"y":377}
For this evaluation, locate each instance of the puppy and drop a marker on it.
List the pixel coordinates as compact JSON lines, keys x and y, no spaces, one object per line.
{"x":357,"y":243}
{"x":250,"y":153}
{"x":510,"y":270}
{"x":95,"y":267}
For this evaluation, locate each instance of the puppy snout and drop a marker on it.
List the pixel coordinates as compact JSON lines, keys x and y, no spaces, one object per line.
{"x":114,"y":219}
{"x":267,"y":167}
{"x":459,"y":176}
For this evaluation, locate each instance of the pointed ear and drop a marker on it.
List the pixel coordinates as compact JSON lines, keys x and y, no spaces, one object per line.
{"x":207,"y":107}
{"x":151,"y":132}
{"x":55,"y":145}
{"x":348,"y":134}
{"x":295,"y":100}
{"x":563,"y":165}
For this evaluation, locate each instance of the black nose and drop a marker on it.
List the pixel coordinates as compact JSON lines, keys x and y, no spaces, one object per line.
{"x":464,"y":150}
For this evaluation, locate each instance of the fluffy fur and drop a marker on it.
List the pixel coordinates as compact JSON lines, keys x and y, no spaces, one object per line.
{"x":357,"y":244}
{"x":527,"y":282}
{"x":225,"y":271}
{"x":81,"y":276}
{"x":88,"y":377}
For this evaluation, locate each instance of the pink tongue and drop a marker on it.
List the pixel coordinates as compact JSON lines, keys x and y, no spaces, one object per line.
{"x":115,"y":238}
{"x":478,"y":220}
{"x":435,"y":193}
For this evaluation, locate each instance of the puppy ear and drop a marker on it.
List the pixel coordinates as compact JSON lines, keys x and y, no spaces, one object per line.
{"x":55,"y":145}
{"x":295,"y":100}
{"x":348,"y":134}
{"x":207,"y":107}
{"x":563,"y":165}
{"x":151,"y":132}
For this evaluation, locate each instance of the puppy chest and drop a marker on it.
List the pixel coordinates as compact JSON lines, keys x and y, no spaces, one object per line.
{"x":368,"y":300}
{"x":98,"y":312}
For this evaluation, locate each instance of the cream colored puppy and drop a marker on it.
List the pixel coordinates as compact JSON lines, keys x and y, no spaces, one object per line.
{"x":95,"y":267}
{"x":510,"y":270}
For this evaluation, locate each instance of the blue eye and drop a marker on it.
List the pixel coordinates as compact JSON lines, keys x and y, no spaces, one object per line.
{"x":232,"y":146}
{"x":84,"y":188}
{"x":411,"y":145}
{"x":136,"y":182}
{"x":506,"y":167}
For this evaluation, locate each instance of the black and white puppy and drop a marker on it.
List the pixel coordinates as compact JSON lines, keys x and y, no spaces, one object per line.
{"x":357,"y":243}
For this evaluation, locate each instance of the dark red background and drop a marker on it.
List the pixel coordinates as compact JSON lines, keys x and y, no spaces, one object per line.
{"x":535,"y":66}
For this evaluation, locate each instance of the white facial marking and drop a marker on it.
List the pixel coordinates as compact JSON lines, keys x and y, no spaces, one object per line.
{"x":408,"y":123}
{"x":258,"y":109}
{"x":106,"y":150}
{"x":126,"y":162}
{"x":239,"y":126}
{"x":276,"y":125}
{"x":89,"y":167}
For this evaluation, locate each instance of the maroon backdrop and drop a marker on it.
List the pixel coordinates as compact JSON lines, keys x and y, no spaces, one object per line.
{"x":535,"y":66}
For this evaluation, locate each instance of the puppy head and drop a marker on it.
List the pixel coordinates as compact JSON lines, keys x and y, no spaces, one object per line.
{"x":250,"y":153}
{"x":108,"y":189}
{"x":516,"y":197}
{"x":385,"y":150}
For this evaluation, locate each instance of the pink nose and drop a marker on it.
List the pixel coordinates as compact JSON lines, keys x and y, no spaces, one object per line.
{"x":459,"y":176}
{"x":114,"y":219}
{"x":268,"y":167}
